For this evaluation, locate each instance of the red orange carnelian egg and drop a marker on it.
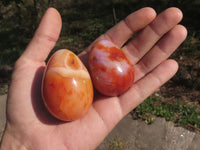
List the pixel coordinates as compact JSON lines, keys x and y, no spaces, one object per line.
{"x":111,"y":72}
{"x":67,"y":88}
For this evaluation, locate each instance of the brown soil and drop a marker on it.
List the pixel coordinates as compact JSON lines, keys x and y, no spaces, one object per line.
{"x":185,"y":85}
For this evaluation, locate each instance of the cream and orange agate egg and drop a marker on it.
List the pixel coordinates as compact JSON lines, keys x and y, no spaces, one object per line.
{"x":67,"y":88}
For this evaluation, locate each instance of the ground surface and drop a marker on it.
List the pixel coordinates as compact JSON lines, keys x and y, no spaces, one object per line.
{"x":161,"y":135}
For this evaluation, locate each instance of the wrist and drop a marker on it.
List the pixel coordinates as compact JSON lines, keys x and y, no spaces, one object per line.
{"x":11,"y":142}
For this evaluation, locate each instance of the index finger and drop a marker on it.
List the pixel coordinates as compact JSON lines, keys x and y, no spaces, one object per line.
{"x":126,"y":28}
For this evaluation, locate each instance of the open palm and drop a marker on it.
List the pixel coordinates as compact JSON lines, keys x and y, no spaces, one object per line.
{"x":31,"y":127}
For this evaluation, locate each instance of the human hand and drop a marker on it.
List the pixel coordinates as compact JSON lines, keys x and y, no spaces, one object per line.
{"x":31,"y":127}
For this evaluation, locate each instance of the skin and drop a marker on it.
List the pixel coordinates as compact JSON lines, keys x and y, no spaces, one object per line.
{"x":31,"y":127}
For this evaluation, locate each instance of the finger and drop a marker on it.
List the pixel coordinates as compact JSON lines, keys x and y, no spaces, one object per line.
{"x":45,"y":37}
{"x":147,"y":85}
{"x":125,"y":29}
{"x":161,"y":51}
{"x":134,"y":22}
{"x":145,"y":40}
{"x":134,"y":96}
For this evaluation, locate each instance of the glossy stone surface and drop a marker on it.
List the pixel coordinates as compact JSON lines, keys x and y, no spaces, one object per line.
{"x":111,"y":72}
{"x":67,"y":87}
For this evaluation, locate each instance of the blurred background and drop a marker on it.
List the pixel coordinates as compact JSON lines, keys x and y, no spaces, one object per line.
{"x":84,"y":21}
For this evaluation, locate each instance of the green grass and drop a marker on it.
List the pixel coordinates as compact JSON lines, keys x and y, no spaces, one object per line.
{"x":3,"y":89}
{"x":180,"y":113}
{"x":118,"y":144}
